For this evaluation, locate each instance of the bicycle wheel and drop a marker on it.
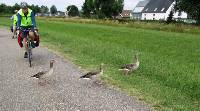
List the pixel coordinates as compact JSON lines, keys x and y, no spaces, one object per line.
{"x":29,"y":58}
{"x":29,"y":53}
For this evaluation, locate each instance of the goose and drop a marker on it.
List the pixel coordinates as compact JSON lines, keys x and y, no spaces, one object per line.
{"x":44,"y":74}
{"x":90,"y":74}
{"x":131,"y":67}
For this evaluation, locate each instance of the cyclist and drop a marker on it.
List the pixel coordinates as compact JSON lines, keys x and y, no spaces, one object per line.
{"x":26,"y":21}
{"x":14,"y":25}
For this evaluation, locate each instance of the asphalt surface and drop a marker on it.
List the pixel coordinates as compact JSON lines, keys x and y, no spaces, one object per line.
{"x":63,"y":91}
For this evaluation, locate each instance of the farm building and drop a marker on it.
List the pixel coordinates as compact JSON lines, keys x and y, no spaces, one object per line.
{"x":137,"y":11}
{"x":126,"y":14}
{"x":156,"y":10}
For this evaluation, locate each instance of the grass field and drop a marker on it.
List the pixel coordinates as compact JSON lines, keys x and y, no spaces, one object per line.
{"x":153,"y":25}
{"x":169,"y":75}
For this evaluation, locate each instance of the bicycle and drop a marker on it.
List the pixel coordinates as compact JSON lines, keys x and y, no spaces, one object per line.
{"x":12,"y":30}
{"x":29,"y":45}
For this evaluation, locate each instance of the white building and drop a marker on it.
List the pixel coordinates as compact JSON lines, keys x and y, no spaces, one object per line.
{"x":137,"y":11}
{"x":160,"y":9}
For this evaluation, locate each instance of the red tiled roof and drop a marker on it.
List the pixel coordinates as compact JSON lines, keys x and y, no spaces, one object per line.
{"x":126,"y":13}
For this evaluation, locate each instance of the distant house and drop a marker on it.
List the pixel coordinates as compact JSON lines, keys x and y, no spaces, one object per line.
{"x":160,"y":9}
{"x":126,"y":14}
{"x":42,"y":14}
{"x":38,"y":14}
{"x":137,"y":11}
{"x":60,"y":13}
{"x":47,"y":14}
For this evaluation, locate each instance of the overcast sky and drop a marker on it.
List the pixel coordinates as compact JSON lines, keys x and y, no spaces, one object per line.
{"x":62,"y":4}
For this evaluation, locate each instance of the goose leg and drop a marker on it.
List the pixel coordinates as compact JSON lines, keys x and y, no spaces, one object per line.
{"x":127,"y":72}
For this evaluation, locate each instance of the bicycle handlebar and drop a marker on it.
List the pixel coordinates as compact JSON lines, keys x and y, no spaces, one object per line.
{"x":27,"y":29}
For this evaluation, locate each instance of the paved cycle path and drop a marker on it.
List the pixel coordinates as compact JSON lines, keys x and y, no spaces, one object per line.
{"x":62,"y":92}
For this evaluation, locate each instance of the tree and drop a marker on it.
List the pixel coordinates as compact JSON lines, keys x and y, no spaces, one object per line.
{"x":3,"y":8}
{"x":170,"y":17}
{"x":88,"y":8}
{"x":32,"y":7}
{"x":191,"y":7}
{"x":44,"y":9}
{"x":9,"y":9}
{"x":36,"y":9}
{"x":72,"y":10}
{"x":85,"y":10}
{"x":53,"y":9}
{"x":103,"y":8}
{"x":112,"y":8}
{"x":117,"y":8}
{"x":15,"y":7}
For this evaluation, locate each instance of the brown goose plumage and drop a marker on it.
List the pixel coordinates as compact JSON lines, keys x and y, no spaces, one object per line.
{"x":43,"y":74}
{"x":132,"y":66}
{"x":93,"y":73}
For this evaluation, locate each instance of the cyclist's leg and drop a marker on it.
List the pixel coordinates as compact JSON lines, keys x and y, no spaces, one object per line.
{"x":25,"y":34}
{"x":14,"y":31}
{"x":32,"y":35}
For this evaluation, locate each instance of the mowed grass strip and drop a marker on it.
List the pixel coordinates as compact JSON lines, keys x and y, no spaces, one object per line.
{"x":168,"y":77}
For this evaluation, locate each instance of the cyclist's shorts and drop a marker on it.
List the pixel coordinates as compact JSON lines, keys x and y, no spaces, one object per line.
{"x":25,"y":33}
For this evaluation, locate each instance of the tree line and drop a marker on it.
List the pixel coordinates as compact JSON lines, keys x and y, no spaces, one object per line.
{"x":72,"y":10}
{"x":101,"y":9}
{"x":10,"y":9}
{"x":191,"y":7}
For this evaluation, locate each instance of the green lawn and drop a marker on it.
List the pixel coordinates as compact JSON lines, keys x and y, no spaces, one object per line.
{"x":169,"y":75}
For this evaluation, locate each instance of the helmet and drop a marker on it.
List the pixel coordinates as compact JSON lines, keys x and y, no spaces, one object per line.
{"x":24,"y":5}
{"x":16,"y":11}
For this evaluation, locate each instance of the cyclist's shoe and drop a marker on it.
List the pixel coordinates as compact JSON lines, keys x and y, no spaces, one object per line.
{"x":25,"y":55}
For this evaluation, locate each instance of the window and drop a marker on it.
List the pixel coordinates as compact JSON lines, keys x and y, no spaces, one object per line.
{"x":154,"y":14}
{"x":145,"y":14}
{"x":155,"y":9}
{"x":163,"y":9}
